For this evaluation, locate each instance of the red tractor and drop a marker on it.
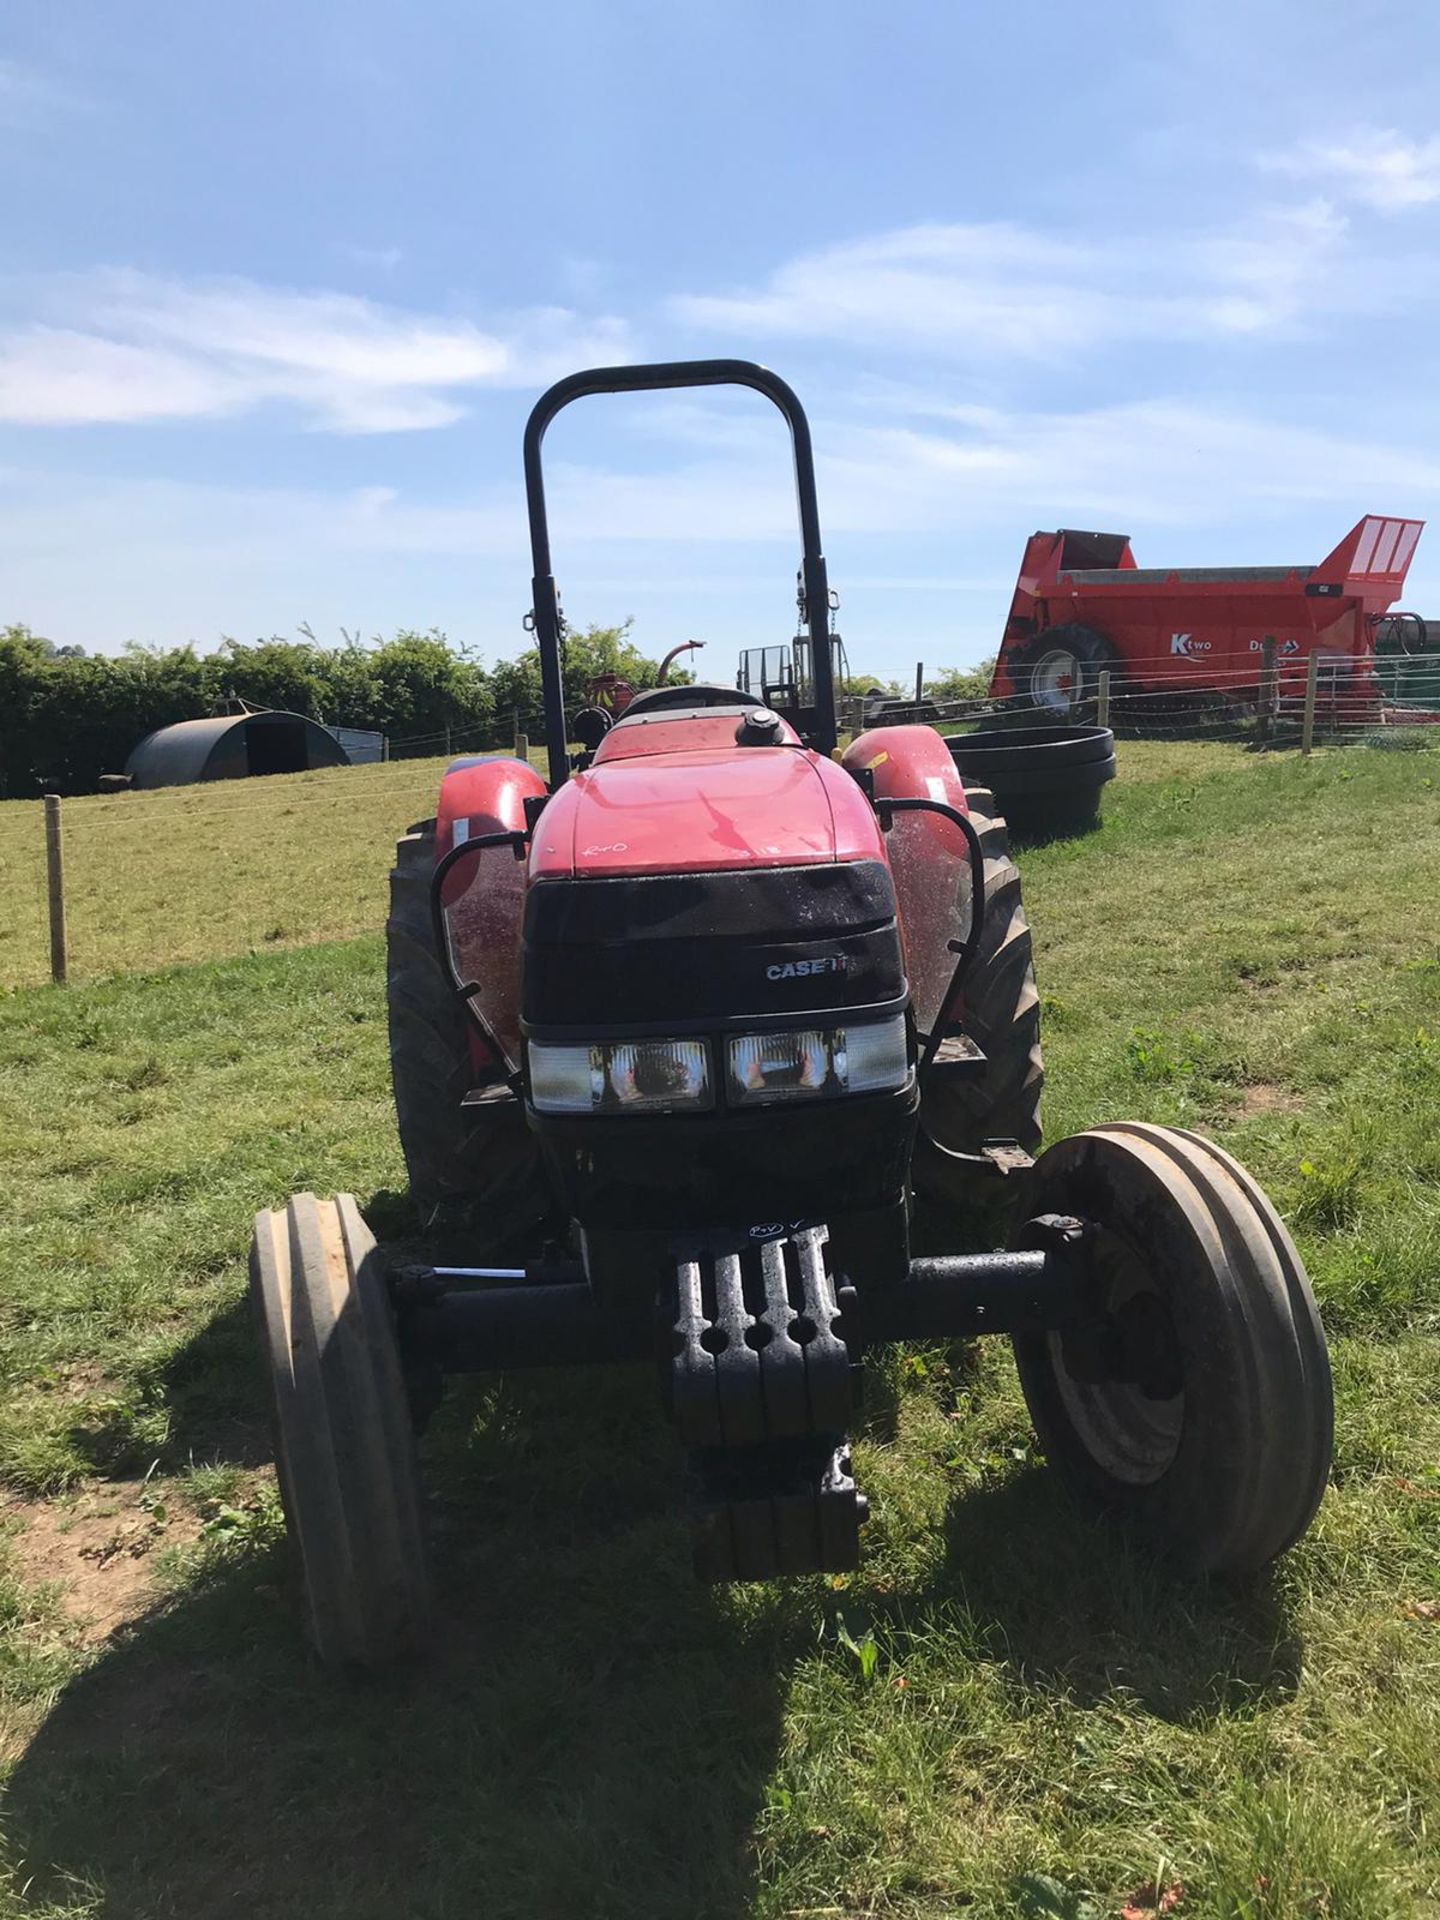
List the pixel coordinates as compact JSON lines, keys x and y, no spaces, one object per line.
{"x":1081,"y":606}
{"x":679,"y":1036}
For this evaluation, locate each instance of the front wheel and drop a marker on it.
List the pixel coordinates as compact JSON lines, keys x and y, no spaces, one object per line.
{"x":344,"y":1451}
{"x":1197,"y":1400}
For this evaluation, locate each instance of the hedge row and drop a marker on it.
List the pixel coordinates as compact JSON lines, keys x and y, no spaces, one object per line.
{"x":68,"y":717}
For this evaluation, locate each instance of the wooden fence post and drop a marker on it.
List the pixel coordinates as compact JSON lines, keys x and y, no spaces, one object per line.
{"x":919,"y":682}
{"x":522,"y":746}
{"x":1312,"y":684}
{"x":55,"y":877}
{"x":1269,"y":687}
{"x":1102,"y":699}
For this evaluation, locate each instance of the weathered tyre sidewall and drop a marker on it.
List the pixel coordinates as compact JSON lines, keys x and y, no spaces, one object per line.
{"x":345,"y":1451}
{"x":1254,"y":1451}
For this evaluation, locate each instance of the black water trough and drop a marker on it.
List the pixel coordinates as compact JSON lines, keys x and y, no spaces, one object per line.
{"x":1047,"y":780}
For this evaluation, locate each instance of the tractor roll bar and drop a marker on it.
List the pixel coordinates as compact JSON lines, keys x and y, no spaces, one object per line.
{"x":545,"y":606}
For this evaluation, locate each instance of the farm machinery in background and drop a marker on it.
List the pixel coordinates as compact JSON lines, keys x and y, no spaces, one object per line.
{"x":678,"y":1037}
{"x":612,"y":692}
{"x":1208,"y":638}
{"x":780,"y":676}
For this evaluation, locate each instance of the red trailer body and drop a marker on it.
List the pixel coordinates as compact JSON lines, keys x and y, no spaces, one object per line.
{"x":1081,"y":605}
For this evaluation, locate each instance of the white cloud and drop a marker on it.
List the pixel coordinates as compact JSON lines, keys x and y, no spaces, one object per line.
{"x":1266,"y":273}
{"x":938,"y":499}
{"x":1000,"y":291}
{"x":1157,"y":464}
{"x":1373,"y":165}
{"x":52,"y":376}
{"x":940,"y":468}
{"x":123,"y":346}
{"x":987,"y":288}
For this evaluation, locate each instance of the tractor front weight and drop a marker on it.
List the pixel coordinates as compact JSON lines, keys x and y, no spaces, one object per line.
{"x":760,"y":1349}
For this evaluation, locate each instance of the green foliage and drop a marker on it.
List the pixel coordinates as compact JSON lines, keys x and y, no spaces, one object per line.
{"x":590,"y":653}
{"x":1042,"y":1897}
{"x":1331,"y":1193}
{"x":962,"y":683}
{"x":861,"y":1647}
{"x":1151,"y":1057}
{"x":67,"y":717}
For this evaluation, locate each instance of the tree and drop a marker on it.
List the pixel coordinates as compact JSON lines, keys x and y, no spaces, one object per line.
{"x":590,"y":653}
{"x":962,"y":683}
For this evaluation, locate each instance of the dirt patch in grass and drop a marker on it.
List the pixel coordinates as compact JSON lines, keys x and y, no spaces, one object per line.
{"x":1263,"y":1096}
{"x":97,"y":1550}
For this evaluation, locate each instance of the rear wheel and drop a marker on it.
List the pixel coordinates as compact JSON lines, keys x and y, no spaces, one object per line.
{"x":481,"y":1162}
{"x":1060,"y":669}
{"x":1197,"y":1403}
{"x":1001,"y":1014}
{"x":344,"y":1449}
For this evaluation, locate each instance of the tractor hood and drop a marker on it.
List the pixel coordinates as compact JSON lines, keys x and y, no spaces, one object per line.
{"x":704,"y":812}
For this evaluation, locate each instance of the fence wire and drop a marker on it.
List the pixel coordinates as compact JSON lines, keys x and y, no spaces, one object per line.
{"x":189,"y":874}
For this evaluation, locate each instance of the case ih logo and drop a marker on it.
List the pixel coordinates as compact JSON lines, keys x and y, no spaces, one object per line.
{"x":1187,"y":644}
{"x":804,"y":969}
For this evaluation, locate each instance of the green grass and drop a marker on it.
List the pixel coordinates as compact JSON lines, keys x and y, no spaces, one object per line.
{"x":1009,"y":1711}
{"x":195,"y":873}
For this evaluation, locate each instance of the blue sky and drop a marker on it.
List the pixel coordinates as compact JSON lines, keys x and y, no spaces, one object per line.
{"x":278,"y":284}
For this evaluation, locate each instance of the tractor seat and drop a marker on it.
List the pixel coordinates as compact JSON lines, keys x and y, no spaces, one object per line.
{"x":672,"y":700}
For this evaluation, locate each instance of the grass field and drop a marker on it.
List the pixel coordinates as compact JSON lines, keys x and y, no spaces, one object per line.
{"x":1009,"y":1711}
{"x":191,"y":873}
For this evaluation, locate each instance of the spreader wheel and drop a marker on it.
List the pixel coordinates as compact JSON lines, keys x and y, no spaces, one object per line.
{"x":344,"y":1447}
{"x":1060,"y":668}
{"x":1198,"y":1403}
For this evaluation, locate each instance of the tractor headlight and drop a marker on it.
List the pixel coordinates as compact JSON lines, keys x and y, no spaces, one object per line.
{"x":799,"y":1065}
{"x":621,"y":1076}
{"x":673,"y":1076}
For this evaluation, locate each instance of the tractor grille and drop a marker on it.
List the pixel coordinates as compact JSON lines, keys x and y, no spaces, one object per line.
{"x":700,"y":950}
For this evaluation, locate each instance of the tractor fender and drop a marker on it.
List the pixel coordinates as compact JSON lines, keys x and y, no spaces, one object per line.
{"x":907,"y":763}
{"x":483,"y":794}
{"x":927,"y":854}
{"x":485,"y":897}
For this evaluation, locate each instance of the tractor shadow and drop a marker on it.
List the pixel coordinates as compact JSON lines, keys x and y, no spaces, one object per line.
{"x":212,"y":1391}
{"x":1076,"y":1608}
{"x":593,"y":1737}
{"x":596,"y":1734}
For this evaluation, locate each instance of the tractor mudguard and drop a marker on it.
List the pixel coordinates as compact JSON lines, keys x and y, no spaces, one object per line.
{"x":484,"y":898}
{"x":483,"y":794}
{"x":929,"y":860}
{"x":903,"y":762}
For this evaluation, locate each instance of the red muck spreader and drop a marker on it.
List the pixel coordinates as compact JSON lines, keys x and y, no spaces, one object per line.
{"x":1082,"y":606}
